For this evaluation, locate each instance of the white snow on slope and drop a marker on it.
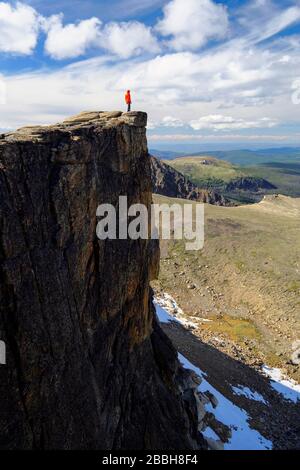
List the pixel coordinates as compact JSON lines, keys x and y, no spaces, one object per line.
{"x":163,"y":315}
{"x":167,"y":303}
{"x":288,"y":388}
{"x":243,"y":437}
{"x":248,"y":393}
{"x":210,"y":434}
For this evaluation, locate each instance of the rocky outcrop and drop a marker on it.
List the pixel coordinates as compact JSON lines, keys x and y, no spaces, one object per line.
{"x":88,"y":366}
{"x":169,"y":182}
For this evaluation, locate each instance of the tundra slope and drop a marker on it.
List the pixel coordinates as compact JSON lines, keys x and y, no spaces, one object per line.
{"x":236,"y":309}
{"x":245,"y":280}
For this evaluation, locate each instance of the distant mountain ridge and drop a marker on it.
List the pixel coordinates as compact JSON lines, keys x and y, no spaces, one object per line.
{"x":165,"y":154}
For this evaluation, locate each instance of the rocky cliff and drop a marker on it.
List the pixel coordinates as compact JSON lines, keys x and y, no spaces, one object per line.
{"x":169,"y":182}
{"x":88,"y":367}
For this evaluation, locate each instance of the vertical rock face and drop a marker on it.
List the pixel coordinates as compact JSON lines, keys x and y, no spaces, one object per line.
{"x":88,"y":367}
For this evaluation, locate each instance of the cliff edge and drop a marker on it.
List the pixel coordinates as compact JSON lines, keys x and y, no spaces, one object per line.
{"x":88,"y":366}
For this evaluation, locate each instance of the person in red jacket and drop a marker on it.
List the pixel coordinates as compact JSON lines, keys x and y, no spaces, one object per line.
{"x":128,"y":100}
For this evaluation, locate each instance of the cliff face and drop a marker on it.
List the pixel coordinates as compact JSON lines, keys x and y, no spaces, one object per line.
{"x":88,"y":367}
{"x":169,"y":182}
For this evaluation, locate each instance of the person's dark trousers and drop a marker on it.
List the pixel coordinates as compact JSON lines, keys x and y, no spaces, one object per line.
{"x":129,"y":108}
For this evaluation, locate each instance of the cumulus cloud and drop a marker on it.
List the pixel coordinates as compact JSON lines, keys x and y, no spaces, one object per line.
{"x":124,"y":40}
{"x":169,"y":73}
{"x":234,"y":74}
{"x":217,"y":122}
{"x":191,"y":23}
{"x":72,"y":40}
{"x":19,"y":28}
{"x":199,"y":78}
{"x":128,"y":39}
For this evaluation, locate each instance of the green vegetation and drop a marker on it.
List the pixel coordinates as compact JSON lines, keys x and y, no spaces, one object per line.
{"x":206,"y":171}
{"x":286,"y":177}
{"x":237,"y":329}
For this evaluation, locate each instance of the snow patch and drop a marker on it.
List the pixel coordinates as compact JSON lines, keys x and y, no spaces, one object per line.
{"x":248,"y":393}
{"x":210,"y":434}
{"x":243,"y":436}
{"x":163,"y":315}
{"x":288,"y":388}
{"x":173,"y":311}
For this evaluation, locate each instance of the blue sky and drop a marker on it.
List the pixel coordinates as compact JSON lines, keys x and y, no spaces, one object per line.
{"x":209,"y":73}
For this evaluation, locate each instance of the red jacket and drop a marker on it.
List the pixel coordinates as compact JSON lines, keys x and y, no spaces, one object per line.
{"x":128,"y":97}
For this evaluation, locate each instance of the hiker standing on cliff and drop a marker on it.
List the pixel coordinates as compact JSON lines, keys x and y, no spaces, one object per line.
{"x":128,"y":100}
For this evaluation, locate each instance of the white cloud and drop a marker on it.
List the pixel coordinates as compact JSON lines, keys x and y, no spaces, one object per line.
{"x":170,"y":121}
{"x":2,"y":90}
{"x":191,"y":23}
{"x":236,"y":74}
{"x":217,"y":122}
{"x":265,"y":18}
{"x":19,"y":27}
{"x":283,"y":20}
{"x":129,"y":8}
{"x":188,"y":77}
{"x":166,"y":73}
{"x":151,"y":124}
{"x":124,"y":40}
{"x":72,"y":40}
{"x":128,"y":39}
{"x":167,"y":121}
